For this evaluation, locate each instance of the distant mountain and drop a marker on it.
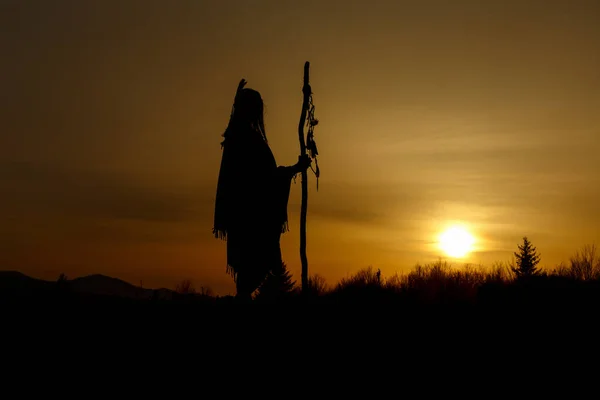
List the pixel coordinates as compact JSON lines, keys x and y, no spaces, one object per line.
{"x":13,"y":282}
{"x":106,"y":285}
{"x":16,"y":283}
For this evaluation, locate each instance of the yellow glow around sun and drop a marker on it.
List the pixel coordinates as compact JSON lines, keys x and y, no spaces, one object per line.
{"x":456,"y":242}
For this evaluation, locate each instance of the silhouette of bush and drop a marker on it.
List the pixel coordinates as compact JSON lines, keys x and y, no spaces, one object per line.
{"x":430,"y":283}
{"x":317,"y":285}
{"x":205,"y":291}
{"x":440,"y":282}
{"x":363,"y":278}
{"x":562,"y":271}
{"x":62,"y":282}
{"x":499,"y":273}
{"x":364,"y":286}
{"x":63,"y":287}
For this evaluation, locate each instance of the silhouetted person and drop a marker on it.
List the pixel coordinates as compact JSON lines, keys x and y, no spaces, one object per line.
{"x":252,"y":195}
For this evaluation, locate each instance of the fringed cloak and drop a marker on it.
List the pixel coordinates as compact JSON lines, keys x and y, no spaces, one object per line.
{"x":251,"y":205}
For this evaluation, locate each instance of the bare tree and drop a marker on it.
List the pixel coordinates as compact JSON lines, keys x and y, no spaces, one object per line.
{"x":185,"y":287}
{"x":205,"y":291}
{"x":585,"y":264}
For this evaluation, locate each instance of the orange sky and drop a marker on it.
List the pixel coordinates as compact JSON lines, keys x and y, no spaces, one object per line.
{"x":430,"y":112}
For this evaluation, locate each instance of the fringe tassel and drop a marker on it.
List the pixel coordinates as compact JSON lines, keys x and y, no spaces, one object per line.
{"x":230,"y":271}
{"x":219,"y":234}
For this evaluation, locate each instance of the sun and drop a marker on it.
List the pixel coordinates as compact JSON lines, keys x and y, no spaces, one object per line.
{"x":456,"y":242}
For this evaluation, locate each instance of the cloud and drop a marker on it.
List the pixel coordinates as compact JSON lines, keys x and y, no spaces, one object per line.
{"x":362,"y":203}
{"x":45,"y":188}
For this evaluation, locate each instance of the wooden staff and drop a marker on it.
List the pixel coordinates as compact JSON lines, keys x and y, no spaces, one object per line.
{"x":306,"y":90}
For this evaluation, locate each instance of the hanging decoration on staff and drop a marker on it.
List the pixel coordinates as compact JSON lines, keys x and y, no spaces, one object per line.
{"x":307,"y":118}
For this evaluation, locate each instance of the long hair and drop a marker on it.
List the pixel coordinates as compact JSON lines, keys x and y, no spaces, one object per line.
{"x":247,"y":114}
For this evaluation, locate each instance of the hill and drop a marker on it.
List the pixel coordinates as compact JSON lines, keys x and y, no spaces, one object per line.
{"x":17,"y":284}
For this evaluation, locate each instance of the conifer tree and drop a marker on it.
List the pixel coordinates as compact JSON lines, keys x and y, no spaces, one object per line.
{"x":527,"y":260}
{"x":278,"y":283}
